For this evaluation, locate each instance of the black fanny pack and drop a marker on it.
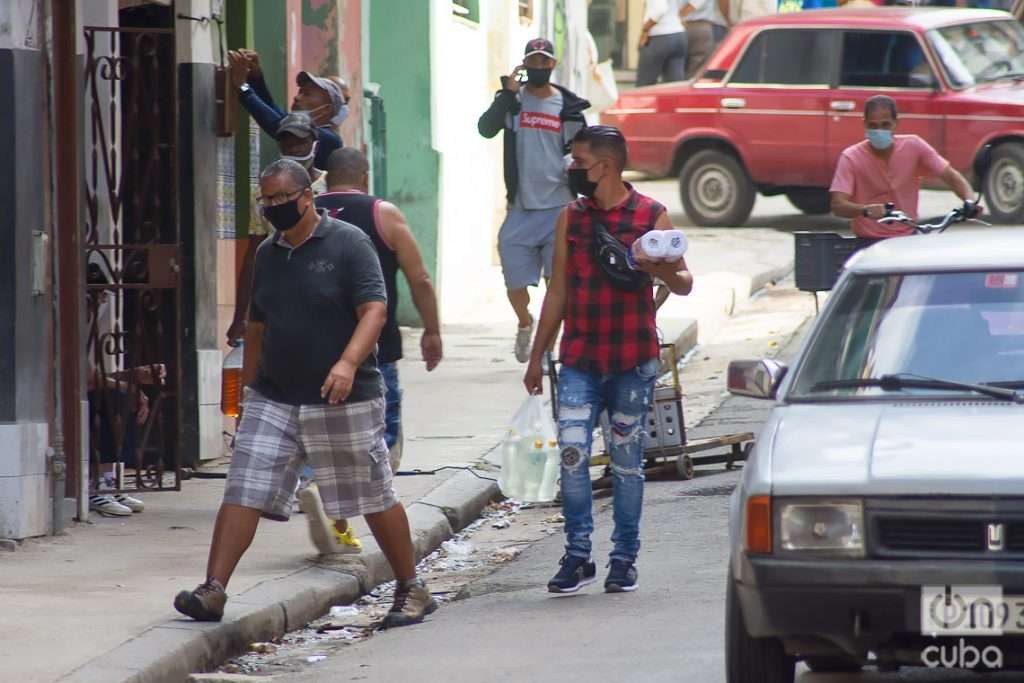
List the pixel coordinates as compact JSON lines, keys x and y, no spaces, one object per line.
{"x":612,"y":256}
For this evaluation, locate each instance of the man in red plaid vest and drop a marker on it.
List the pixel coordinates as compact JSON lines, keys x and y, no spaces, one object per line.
{"x":609,"y":350}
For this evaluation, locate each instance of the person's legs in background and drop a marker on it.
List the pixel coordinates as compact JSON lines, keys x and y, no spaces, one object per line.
{"x":699,"y":44}
{"x":674,"y":66}
{"x":651,"y":62}
{"x":521,"y":264}
{"x":392,"y":414}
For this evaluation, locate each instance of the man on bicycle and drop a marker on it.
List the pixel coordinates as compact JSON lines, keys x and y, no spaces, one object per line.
{"x":886,"y":167}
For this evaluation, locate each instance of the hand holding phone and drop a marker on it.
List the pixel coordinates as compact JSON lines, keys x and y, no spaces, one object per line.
{"x":515,"y":80}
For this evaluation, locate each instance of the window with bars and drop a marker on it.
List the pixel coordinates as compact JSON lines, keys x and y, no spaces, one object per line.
{"x":526,"y":9}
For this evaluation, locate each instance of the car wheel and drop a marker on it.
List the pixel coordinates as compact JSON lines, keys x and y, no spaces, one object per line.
{"x":747,"y":659}
{"x":1004,"y":184}
{"x":813,"y":201}
{"x":716,"y":190}
{"x":837,"y":664}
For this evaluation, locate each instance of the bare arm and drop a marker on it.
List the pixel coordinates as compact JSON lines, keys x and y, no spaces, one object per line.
{"x":553,"y":310}
{"x":338,"y":384}
{"x":844,"y":207}
{"x":243,"y":292}
{"x":723,"y":7}
{"x":676,"y":275}
{"x":251,"y":352}
{"x":397,"y":233}
{"x":957,"y":183}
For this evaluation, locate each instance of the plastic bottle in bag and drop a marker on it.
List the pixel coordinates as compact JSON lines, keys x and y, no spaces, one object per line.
{"x":231,"y":381}
{"x":530,"y":457}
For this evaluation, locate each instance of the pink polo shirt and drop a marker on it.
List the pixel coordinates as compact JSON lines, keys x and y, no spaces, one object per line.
{"x":869,"y":179}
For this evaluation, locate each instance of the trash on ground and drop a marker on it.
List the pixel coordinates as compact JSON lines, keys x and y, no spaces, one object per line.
{"x":343,"y":611}
{"x":313,"y":659}
{"x":502,"y":523}
{"x":458,"y":548}
{"x":263,"y":648}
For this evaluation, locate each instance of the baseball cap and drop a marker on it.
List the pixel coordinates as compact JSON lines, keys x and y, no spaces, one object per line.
{"x":332,"y":89}
{"x":298,"y":124}
{"x":540,"y":46}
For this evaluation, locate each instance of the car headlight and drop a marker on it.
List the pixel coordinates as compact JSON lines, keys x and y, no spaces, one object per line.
{"x":827,"y":527}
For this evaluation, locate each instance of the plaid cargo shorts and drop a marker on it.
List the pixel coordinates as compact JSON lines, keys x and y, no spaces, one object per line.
{"x":344,"y":444}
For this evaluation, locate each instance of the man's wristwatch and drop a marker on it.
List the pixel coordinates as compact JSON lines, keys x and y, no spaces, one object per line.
{"x":866,"y":212}
{"x":244,"y":88}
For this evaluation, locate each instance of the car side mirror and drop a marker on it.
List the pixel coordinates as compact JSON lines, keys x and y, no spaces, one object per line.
{"x":755,"y":378}
{"x":982,"y":164}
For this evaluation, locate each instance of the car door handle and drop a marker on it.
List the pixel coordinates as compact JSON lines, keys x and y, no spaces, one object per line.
{"x":734,"y":103}
{"x":843,"y":105}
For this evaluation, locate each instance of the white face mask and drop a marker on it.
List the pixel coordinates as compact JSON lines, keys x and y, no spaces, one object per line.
{"x":305,"y":161}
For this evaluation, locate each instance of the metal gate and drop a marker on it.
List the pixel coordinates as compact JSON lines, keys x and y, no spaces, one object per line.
{"x":131,"y":244}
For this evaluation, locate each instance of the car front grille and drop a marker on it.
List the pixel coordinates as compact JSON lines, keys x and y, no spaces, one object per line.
{"x":924,"y":528}
{"x":931,"y":535}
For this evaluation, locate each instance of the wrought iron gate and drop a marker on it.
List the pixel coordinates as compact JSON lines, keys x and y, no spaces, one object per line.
{"x":131,"y":244}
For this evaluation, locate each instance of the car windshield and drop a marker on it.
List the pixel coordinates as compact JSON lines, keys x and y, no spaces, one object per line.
{"x":965,"y":327}
{"x":980,"y":52}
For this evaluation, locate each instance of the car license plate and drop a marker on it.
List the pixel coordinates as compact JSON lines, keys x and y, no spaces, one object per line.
{"x":970,"y":610}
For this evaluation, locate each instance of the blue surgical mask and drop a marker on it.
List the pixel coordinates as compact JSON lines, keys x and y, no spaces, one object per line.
{"x":879,"y":138}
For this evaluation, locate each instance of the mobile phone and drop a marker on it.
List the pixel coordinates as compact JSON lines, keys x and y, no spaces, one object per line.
{"x":521,"y":75}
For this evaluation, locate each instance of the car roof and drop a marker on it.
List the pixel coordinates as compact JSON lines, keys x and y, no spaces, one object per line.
{"x":959,"y":249}
{"x":921,"y":18}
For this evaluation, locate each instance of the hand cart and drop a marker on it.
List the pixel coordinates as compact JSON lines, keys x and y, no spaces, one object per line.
{"x":665,"y":444}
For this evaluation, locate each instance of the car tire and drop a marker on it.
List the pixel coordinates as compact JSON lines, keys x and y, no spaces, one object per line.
{"x":716,"y":190}
{"x":836,"y":664}
{"x":814,"y":201}
{"x":1004,"y":185}
{"x":748,"y":659}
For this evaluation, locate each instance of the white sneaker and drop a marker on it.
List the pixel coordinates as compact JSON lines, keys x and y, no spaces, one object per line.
{"x":524,"y":337}
{"x":133,"y":504}
{"x":108,"y":507}
{"x":321,"y":527}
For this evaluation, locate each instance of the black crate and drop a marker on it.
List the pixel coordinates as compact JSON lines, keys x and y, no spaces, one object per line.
{"x":820,"y":257}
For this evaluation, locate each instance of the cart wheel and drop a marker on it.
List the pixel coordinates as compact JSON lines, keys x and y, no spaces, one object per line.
{"x":684,"y":467}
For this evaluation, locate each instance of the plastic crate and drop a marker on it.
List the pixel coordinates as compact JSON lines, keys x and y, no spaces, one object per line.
{"x":819,"y":258}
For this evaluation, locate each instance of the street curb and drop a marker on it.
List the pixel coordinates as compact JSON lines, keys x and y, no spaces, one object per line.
{"x":170,"y":652}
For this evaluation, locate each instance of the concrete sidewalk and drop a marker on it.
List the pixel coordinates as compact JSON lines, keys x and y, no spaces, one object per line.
{"x":95,"y":605}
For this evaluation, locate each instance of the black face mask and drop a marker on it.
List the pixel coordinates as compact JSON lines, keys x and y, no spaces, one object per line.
{"x":580,"y":183}
{"x":538,"y":77}
{"x":285,"y":216}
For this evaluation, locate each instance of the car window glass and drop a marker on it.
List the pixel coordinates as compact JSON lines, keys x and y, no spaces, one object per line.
{"x":919,"y":324}
{"x":980,"y":52}
{"x":883,"y":59}
{"x":788,"y":57}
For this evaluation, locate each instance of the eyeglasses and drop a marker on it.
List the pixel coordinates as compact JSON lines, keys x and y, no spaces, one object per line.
{"x":280,"y":198}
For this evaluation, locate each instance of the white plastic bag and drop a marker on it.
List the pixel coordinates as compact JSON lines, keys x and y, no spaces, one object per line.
{"x":530,"y":457}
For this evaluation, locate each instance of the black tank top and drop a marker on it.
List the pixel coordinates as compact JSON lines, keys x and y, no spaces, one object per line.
{"x":360,"y":210}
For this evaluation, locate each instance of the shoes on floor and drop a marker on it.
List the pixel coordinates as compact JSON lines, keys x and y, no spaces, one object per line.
{"x":108,"y":507}
{"x":622,"y":577}
{"x":326,"y":538}
{"x":575,"y":573}
{"x":133,"y":504}
{"x":413,"y":602}
{"x":205,"y":603}
{"x":524,"y":337}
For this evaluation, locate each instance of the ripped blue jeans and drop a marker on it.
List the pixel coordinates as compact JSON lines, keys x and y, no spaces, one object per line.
{"x":582,"y":397}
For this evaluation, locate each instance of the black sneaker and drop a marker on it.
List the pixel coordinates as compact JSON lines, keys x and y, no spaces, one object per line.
{"x":621,"y":577}
{"x":574,"y":574}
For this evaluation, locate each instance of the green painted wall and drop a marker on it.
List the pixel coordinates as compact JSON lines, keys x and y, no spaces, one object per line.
{"x":400,"y":63}
{"x":270,"y":39}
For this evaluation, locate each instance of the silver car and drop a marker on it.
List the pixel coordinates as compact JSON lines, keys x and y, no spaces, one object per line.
{"x":880,"y":517}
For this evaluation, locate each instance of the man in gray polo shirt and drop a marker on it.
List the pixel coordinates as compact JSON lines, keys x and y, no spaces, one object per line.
{"x":313,"y":394}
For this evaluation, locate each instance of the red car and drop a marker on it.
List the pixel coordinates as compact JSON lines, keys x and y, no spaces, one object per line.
{"x":783,"y":96}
